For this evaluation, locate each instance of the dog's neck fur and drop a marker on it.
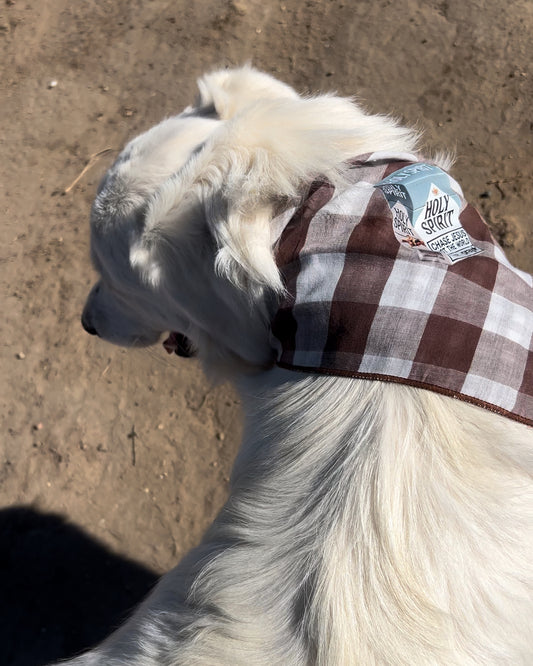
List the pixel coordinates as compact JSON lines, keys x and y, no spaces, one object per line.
{"x":358,"y":492}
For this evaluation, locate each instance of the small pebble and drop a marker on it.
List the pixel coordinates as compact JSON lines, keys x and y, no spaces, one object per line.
{"x":21,"y":356}
{"x":52,"y":84}
{"x":160,"y":426}
{"x":221,"y":436}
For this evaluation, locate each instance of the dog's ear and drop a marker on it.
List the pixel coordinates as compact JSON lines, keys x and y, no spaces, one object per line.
{"x":264,"y":158}
{"x":243,"y":237}
{"x":229,"y":91}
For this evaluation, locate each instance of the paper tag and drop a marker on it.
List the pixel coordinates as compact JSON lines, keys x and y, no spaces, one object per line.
{"x":425,"y":203}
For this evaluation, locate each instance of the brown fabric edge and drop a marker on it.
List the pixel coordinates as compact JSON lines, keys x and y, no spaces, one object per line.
{"x":410,"y":382}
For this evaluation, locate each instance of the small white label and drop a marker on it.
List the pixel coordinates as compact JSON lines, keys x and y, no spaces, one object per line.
{"x":425,"y":206}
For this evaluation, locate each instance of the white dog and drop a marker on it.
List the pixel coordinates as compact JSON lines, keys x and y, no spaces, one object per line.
{"x":369,"y":522}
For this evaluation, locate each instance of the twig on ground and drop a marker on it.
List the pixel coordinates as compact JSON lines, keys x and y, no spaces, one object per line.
{"x":92,"y":161}
{"x":498,"y":183}
{"x":132,"y":435}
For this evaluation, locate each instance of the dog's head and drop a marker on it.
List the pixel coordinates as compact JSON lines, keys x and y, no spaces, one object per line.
{"x":181,"y":226}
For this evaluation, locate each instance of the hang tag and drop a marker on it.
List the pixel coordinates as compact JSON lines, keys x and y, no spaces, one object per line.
{"x":425,"y":203}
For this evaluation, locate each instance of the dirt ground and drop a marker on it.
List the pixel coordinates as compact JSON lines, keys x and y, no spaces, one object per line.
{"x":113,"y":462}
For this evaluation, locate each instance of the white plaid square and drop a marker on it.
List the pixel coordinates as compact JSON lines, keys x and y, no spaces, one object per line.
{"x":395,"y":367}
{"x":509,"y":320}
{"x":413,"y":286}
{"x":489,"y":391}
{"x":351,"y":199}
{"x":318,"y":277}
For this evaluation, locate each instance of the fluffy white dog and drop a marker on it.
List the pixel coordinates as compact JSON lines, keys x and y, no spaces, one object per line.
{"x":369,"y":522}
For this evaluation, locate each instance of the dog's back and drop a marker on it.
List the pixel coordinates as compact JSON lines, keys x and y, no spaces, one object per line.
{"x":368,"y":522}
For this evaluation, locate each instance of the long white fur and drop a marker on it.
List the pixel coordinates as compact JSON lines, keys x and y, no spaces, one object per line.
{"x":368,"y":523}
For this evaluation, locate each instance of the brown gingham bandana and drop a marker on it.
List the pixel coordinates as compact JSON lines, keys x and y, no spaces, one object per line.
{"x":361,"y":304}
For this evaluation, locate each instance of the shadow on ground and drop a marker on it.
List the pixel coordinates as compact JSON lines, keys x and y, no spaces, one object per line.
{"x":60,"y":590}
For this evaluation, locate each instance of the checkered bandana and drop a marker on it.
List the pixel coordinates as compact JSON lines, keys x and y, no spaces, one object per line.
{"x":361,"y":304}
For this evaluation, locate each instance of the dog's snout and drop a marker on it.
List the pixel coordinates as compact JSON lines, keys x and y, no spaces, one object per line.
{"x":87,"y":325}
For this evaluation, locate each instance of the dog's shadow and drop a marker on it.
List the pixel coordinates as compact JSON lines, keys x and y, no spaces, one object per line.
{"x":60,"y":590}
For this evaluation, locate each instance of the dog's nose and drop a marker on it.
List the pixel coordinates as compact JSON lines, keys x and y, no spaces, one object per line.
{"x":87,"y":325}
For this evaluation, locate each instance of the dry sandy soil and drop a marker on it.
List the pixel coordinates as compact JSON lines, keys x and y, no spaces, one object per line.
{"x":91,"y":515}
